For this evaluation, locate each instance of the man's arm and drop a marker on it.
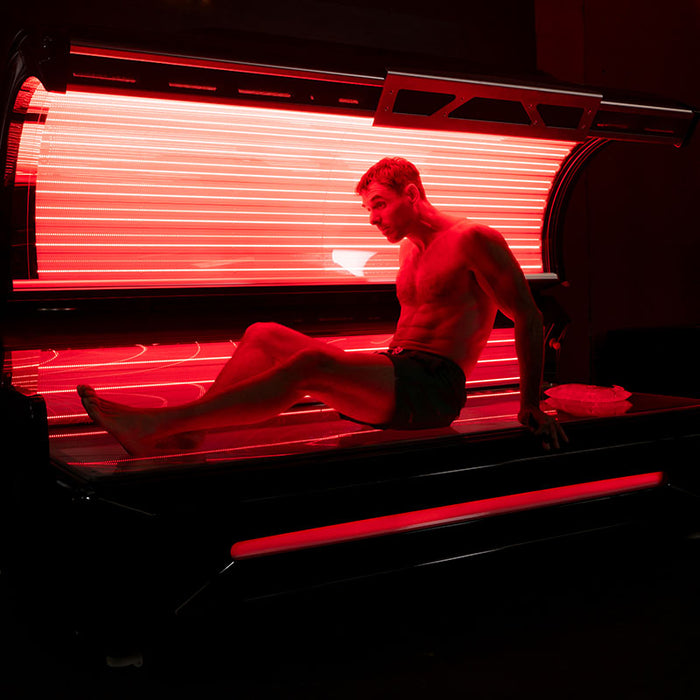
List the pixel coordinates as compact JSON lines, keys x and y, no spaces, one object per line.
{"x":498,"y":273}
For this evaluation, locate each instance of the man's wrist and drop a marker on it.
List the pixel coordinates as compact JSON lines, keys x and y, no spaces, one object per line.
{"x":527,"y":406}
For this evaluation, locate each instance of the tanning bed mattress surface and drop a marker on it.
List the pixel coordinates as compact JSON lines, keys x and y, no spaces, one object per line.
{"x":315,"y":429}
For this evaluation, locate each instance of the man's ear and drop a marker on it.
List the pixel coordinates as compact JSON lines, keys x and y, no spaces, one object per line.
{"x":412,"y":192}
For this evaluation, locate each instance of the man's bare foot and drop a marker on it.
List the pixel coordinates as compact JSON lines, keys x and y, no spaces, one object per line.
{"x":135,"y":429}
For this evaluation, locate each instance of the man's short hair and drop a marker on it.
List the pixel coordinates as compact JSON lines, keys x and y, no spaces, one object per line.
{"x":396,"y":173}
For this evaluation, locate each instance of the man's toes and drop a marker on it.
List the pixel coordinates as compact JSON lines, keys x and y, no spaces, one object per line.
{"x":85,"y":391}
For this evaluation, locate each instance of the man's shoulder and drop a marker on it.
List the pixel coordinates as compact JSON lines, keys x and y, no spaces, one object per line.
{"x":474,"y":234}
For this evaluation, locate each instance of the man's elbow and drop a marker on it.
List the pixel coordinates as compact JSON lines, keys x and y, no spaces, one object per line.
{"x":529,"y":317}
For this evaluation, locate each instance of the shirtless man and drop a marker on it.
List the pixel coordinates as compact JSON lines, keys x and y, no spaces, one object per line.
{"x":454,"y":275}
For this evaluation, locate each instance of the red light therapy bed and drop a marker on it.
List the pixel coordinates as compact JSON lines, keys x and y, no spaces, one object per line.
{"x":159,"y":204}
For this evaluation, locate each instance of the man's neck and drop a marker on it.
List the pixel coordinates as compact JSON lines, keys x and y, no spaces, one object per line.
{"x":429,"y":225}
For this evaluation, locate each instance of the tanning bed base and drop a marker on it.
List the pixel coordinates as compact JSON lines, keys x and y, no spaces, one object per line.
{"x":171,"y":525}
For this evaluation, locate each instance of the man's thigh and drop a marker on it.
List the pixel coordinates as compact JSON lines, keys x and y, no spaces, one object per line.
{"x":359,"y":385}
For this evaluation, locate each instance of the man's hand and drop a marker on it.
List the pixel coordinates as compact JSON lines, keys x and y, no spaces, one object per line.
{"x":543,"y":426}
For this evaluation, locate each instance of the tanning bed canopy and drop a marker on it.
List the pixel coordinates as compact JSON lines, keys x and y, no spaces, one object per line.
{"x":125,"y":190}
{"x":131,"y":169}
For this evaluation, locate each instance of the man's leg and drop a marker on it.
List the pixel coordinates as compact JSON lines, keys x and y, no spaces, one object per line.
{"x":262,"y":347}
{"x":359,"y":385}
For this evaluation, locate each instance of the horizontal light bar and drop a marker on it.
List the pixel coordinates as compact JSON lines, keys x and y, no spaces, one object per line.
{"x":441,"y":516}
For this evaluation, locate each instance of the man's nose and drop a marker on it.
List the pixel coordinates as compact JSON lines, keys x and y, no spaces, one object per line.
{"x":375,"y":219}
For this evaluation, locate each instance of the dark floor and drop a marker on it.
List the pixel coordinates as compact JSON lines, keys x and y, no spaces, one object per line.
{"x":619,"y":625}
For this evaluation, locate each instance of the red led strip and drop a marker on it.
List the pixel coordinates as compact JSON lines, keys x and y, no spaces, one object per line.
{"x":444,"y":515}
{"x":143,"y":192}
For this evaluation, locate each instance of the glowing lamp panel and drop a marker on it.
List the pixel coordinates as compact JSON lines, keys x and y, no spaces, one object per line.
{"x":149,"y":376}
{"x":143,"y":192}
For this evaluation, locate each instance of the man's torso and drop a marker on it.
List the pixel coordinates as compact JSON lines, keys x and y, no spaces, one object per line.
{"x":443,"y":309}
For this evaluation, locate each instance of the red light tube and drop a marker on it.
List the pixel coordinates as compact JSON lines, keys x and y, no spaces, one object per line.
{"x":144,"y":192}
{"x":444,"y":515}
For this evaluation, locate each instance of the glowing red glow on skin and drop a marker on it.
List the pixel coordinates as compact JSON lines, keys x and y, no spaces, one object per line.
{"x":143,"y":192}
{"x":444,"y":515}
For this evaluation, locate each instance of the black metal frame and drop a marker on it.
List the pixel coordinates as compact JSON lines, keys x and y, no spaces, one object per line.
{"x":488,"y":107}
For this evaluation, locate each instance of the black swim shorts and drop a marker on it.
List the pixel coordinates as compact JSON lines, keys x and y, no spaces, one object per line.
{"x":430,"y":390}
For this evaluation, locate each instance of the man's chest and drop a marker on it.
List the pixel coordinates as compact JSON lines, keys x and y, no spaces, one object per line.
{"x":440,"y":274}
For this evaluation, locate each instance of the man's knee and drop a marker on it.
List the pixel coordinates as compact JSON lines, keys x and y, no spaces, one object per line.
{"x":279,"y":341}
{"x":272,"y":337}
{"x":300,"y":354}
{"x":262,"y":330}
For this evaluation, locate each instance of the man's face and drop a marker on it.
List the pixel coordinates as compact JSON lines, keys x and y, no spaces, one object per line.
{"x":392,"y":213}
